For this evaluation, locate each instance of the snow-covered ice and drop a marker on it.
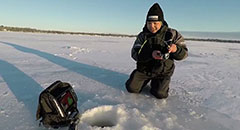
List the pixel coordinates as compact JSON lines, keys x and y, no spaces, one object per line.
{"x":204,"y":93}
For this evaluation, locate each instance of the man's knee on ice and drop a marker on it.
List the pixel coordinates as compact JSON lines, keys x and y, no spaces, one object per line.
{"x":159,"y":95}
{"x":132,"y":89}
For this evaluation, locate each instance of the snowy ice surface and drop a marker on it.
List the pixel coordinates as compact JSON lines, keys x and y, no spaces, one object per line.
{"x":204,"y":93}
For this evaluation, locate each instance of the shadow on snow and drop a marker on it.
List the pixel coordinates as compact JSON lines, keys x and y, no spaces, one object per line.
{"x":24,"y":88}
{"x":108,"y":77}
{"x":27,"y":90}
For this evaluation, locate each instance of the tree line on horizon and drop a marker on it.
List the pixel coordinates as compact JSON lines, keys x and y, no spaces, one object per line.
{"x":21,"y":29}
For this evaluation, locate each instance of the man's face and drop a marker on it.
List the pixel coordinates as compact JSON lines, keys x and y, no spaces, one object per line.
{"x":154,"y":26}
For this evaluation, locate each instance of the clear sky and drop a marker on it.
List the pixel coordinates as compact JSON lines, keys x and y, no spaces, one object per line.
{"x":120,"y":16}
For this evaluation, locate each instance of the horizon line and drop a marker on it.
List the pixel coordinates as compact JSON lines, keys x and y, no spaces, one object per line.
{"x":59,"y":30}
{"x":33,"y":30}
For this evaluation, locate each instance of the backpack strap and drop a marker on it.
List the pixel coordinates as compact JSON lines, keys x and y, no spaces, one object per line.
{"x":43,"y":105}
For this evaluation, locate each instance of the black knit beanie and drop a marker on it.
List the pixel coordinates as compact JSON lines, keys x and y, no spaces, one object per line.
{"x":155,"y":13}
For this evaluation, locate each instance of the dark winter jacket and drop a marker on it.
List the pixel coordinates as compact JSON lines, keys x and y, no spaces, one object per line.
{"x":147,"y":42}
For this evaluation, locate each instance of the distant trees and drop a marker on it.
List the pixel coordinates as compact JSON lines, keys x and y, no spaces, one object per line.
{"x":212,"y":40}
{"x":18,"y":29}
{"x":1,"y":28}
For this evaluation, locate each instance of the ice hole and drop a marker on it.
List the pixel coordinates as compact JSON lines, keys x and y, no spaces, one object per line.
{"x":104,"y":116}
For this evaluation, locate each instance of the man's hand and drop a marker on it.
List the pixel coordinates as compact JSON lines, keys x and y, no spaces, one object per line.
{"x":156,"y":54}
{"x":172,"y":48}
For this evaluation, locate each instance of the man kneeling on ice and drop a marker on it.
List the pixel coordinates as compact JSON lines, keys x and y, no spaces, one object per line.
{"x":155,"y":50}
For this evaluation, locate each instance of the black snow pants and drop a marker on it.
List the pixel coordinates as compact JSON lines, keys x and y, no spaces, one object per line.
{"x":159,"y":84}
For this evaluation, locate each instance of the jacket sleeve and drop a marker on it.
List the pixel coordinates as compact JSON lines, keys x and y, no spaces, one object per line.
{"x":141,"y":50}
{"x":182,"y":51}
{"x":136,"y":46}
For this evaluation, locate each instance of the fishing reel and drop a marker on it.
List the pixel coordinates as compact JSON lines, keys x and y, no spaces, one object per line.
{"x":163,"y":51}
{"x":164,"y":56}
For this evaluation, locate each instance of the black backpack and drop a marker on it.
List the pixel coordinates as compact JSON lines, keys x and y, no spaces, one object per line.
{"x":58,"y":106}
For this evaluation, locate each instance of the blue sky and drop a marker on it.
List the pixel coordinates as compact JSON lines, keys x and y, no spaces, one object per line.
{"x":120,"y":16}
